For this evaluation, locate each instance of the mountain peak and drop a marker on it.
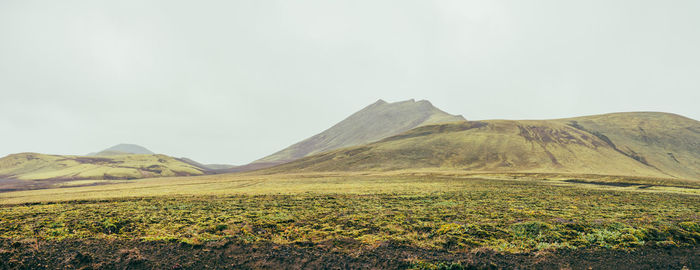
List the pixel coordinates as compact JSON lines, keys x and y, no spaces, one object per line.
{"x":374,"y":122}
{"x":123,"y":149}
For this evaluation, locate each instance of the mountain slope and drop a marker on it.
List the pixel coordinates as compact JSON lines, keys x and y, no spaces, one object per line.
{"x":123,"y":149}
{"x":638,"y":144}
{"x":664,"y":141}
{"x":206,"y":167}
{"x":376,"y":121}
{"x":33,"y":166}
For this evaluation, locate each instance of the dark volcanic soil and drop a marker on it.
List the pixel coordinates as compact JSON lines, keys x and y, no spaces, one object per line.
{"x":131,"y":254}
{"x":11,"y":184}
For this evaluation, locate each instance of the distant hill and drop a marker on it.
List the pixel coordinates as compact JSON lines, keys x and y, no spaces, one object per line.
{"x":123,"y":149}
{"x":208,"y":167}
{"x":637,"y":144}
{"x":33,"y":166}
{"x":376,"y":121}
{"x":131,"y":149}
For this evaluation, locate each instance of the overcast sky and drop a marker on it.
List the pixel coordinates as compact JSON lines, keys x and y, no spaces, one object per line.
{"x":233,"y":81}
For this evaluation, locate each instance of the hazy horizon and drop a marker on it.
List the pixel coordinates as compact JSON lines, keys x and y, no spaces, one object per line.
{"x":233,"y":81}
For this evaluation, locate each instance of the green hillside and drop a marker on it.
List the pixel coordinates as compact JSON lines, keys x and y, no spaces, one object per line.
{"x":33,"y":166}
{"x":666,"y":142}
{"x":637,"y":144}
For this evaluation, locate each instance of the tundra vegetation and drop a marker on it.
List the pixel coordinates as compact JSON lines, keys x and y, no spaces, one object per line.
{"x":431,"y":210}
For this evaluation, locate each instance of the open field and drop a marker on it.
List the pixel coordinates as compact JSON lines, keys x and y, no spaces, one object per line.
{"x":374,"y":182}
{"x":429,"y":218}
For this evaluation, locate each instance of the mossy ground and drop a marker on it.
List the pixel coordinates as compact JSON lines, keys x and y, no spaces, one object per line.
{"x":503,"y":215}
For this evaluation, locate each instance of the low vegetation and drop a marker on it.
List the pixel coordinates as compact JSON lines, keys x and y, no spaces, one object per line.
{"x":504,"y":215}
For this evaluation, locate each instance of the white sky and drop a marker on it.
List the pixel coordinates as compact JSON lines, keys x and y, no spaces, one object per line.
{"x":233,"y":81}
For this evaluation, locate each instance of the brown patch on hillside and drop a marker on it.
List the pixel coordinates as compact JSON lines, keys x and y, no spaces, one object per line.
{"x":93,"y":160}
{"x":546,"y":135}
{"x":627,"y":152}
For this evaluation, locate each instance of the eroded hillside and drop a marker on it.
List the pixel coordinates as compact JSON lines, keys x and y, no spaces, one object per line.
{"x":643,"y":144}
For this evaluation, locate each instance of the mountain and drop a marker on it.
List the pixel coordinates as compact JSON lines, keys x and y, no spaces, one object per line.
{"x":637,"y":144}
{"x":208,"y":167}
{"x":123,"y":149}
{"x":376,"y":121}
{"x":34,"y":166}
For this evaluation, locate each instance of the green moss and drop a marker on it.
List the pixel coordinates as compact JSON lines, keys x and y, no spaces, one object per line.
{"x":503,"y":215}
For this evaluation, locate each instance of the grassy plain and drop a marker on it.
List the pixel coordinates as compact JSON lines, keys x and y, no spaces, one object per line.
{"x":432,"y":210}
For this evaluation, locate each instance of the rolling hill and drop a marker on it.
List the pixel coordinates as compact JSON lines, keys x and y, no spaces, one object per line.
{"x":636,"y":144}
{"x":33,"y":166}
{"x":374,"y":122}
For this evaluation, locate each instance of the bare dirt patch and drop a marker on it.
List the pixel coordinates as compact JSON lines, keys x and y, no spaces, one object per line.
{"x":227,"y":254}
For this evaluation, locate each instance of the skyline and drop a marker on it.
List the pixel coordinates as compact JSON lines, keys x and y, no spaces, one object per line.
{"x":156,"y":152}
{"x":231,"y":82}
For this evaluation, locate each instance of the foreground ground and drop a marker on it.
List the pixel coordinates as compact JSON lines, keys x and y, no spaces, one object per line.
{"x":360,"y":220}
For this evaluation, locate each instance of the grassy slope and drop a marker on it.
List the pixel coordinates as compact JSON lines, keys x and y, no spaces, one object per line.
{"x":605,"y":144}
{"x":33,"y":166}
{"x":372,"y":123}
{"x":667,"y":142}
